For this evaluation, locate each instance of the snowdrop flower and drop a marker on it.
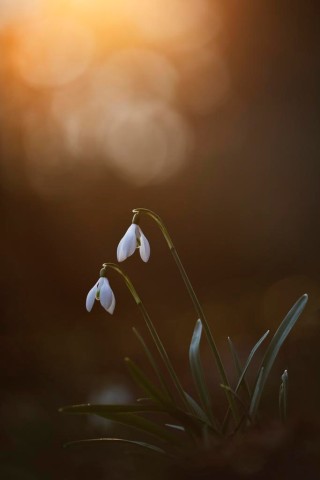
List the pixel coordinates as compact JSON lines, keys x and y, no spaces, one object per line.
{"x":101,"y":291}
{"x":132,"y":239}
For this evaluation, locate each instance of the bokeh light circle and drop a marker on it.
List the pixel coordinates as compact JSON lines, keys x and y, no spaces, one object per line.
{"x":53,"y":52}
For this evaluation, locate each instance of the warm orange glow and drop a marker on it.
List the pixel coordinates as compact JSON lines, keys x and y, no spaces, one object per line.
{"x":116,"y":80}
{"x":53,"y":52}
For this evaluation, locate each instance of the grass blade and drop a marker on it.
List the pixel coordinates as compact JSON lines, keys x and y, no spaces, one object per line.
{"x":140,"y":423}
{"x":175,"y":427}
{"x":243,"y":371}
{"x":163,"y":354}
{"x":126,"y":415}
{"x":144,"y":445}
{"x":238,"y":366}
{"x":283,"y":396}
{"x":191,"y":422}
{"x":240,"y":401}
{"x":197,"y":409}
{"x":249,"y":359}
{"x":110,"y":409}
{"x":281,"y":402}
{"x":197,"y":372}
{"x":256,"y":393}
{"x":273,"y":350}
{"x":153,"y":363}
{"x":140,"y":379}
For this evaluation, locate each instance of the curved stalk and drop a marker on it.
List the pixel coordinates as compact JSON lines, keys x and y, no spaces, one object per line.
{"x":153,"y":333}
{"x":197,"y":306}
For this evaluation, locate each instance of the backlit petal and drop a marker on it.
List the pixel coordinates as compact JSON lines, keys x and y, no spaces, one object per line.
{"x":128,"y":243}
{"x":91,"y":297}
{"x":113,"y":304}
{"x":144,"y":247}
{"x":105,"y":293}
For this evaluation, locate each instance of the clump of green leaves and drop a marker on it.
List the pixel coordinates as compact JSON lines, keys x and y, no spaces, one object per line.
{"x":192,"y":420}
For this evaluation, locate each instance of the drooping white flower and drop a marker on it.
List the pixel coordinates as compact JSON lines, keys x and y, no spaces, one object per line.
{"x":133,"y":239}
{"x":101,"y":291}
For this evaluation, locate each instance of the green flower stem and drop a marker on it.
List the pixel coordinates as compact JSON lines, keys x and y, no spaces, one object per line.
{"x":153,"y":332}
{"x":198,"y":308}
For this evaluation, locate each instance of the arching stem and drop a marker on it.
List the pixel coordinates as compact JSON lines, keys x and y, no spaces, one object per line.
{"x":153,"y":332}
{"x":197,"y":306}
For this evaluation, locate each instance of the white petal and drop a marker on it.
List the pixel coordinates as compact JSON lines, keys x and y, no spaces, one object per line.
{"x":113,"y":304}
{"x":91,"y":297}
{"x":105,"y":293}
{"x":128,"y":243}
{"x":144,"y":247}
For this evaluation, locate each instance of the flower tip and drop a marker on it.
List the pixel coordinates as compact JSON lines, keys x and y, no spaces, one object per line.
{"x":113,"y":304}
{"x":121,"y":257}
{"x":111,"y":309}
{"x":89,"y":305}
{"x":91,"y":298}
{"x":144,"y":247}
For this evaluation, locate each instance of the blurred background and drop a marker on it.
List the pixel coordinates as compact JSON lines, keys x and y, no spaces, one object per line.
{"x":204,"y":111}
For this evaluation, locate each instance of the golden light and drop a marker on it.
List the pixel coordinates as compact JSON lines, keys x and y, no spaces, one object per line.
{"x":172,"y":20}
{"x":115,"y":81}
{"x":147,"y":141}
{"x":53,"y":52}
{"x":15,"y":11}
{"x":131,"y":122}
{"x":206,"y":82}
{"x":138,"y":72}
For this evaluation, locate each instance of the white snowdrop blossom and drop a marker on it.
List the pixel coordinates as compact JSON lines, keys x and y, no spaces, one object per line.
{"x":133,"y":239}
{"x":101,"y":291}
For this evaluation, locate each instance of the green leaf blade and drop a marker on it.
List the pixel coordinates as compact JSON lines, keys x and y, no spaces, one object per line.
{"x":273,"y":350}
{"x":283,"y":396}
{"x":242,"y":372}
{"x":249,"y":359}
{"x":91,"y":441}
{"x":110,"y":409}
{"x":154,"y":365}
{"x":197,"y":372}
{"x":197,"y":409}
{"x":141,"y":380}
{"x":126,"y":415}
{"x":238,"y":367}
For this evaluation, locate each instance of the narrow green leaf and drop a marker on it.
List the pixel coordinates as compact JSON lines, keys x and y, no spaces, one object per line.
{"x":273,"y":350}
{"x":153,"y":363}
{"x":206,"y":438}
{"x":175,"y":427}
{"x":281,"y":402}
{"x":243,"y":372}
{"x":284,"y":378}
{"x":256,"y":393}
{"x":163,"y":353}
{"x":141,"y":423}
{"x":141,"y":379}
{"x":197,"y":409}
{"x":238,"y":366}
{"x":144,"y":445}
{"x":240,"y":401}
{"x":200,"y":418}
{"x":112,"y":409}
{"x":249,"y":359}
{"x":190,"y":422}
{"x":283,"y":396}
{"x":197,"y":372}
{"x":126,"y":415}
